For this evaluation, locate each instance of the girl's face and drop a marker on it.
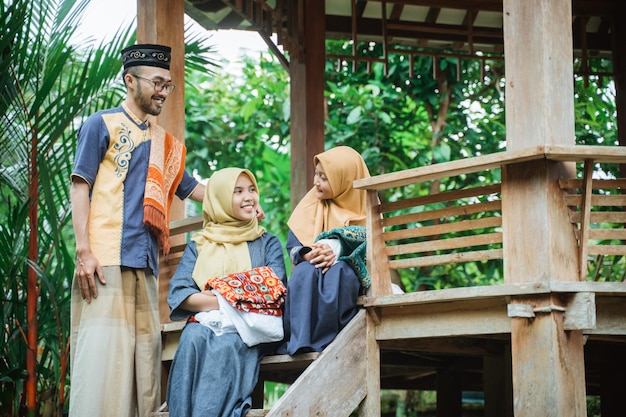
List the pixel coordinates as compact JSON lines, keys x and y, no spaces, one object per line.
{"x":321,"y":184}
{"x":245,"y":198}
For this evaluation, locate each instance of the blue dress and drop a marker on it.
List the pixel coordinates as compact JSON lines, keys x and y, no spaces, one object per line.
{"x":317,"y":305}
{"x":214,"y":375}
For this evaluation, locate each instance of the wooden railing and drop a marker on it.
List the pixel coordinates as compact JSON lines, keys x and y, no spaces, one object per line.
{"x":464,"y":224}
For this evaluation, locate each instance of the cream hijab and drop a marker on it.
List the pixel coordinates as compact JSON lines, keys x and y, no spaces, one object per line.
{"x":222,"y":242}
{"x":342,"y":165}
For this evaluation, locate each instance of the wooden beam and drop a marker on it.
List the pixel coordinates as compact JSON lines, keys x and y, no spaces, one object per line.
{"x":482,"y":316}
{"x":307,"y":100}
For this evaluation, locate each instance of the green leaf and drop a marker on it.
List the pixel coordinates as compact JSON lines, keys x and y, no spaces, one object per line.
{"x":354,"y":116}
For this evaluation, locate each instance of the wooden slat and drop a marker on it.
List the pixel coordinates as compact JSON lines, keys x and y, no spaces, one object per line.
{"x":573,"y":200}
{"x":250,"y":413}
{"x":601,"y":217}
{"x":287,"y":362}
{"x":569,"y":183}
{"x":585,"y":212}
{"x":445,"y":244}
{"x":188,"y":224}
{"x":607,"y":234}
{"x":461,"y":226}
{"x":378,"y":265}
{"x":607,"y":250}
{"x":423,"y":216}
{"x":440,"y":198}
{"x":480,"y":255}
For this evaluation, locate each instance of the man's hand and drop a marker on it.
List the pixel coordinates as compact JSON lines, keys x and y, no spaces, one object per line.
{"x":87,"y":269}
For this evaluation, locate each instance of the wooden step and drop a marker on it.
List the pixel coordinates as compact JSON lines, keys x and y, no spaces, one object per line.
{"x":276,"y":368}
{"x":251,"y":413}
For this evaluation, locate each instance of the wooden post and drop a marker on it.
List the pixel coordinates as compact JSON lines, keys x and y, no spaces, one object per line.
{"x":370,"y":407}
{"x":307,"y":100}
{"x":152,"y":17}
{"x":497,"y":380}
{"x":162,"y":22}
{"x":539,"y":243}
{"x":619,"y":69}
{"x":449,"y":400}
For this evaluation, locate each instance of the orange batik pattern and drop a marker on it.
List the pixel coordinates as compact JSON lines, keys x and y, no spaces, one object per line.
{"x":257,"y":290}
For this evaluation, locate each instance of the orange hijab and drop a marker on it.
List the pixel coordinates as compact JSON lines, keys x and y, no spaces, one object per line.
{"x":342,"y":165}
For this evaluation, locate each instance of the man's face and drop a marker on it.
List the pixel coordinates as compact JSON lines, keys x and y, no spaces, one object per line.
{"x":146,"y":96}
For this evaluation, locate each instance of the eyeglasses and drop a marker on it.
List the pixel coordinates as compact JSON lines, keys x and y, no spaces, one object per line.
{"x":158,"y":85}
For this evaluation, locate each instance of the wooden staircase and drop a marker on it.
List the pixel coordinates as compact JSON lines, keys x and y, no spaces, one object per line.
{"x":341,"y":366}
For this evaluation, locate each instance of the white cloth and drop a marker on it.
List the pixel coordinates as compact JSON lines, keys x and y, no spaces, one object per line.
{"x":254,"y":328}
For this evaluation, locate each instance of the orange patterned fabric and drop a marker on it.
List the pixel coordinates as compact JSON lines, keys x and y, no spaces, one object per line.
{"x":165,"y":171}
{"x":257,"y":290}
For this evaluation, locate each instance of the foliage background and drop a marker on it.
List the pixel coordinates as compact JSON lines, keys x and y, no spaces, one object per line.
{"x":49,"y":85}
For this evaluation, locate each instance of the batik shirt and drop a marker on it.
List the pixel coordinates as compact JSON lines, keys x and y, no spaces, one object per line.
{"x":112,"y":156}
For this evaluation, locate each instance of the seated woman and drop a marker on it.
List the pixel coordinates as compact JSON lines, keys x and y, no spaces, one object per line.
{"x":328,"y":274}
{"x":215,"y":370}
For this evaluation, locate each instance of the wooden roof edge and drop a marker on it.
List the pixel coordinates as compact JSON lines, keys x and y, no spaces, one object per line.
{"x":616,"y":154}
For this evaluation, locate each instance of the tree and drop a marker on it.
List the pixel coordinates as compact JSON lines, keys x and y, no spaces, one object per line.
{"x":48,"y":85}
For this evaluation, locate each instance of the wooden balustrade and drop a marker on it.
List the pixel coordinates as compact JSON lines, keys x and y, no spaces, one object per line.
{"x":464,"y":224}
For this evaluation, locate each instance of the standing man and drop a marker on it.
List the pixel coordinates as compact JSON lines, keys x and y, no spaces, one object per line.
{"x":126,"y":172}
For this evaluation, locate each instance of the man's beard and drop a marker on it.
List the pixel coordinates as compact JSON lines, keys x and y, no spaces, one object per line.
{"x":145,"y":103}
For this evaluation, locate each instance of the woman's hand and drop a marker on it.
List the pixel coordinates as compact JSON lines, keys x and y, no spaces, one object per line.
{"x":201,"y":301}
{"x":321,"y":255}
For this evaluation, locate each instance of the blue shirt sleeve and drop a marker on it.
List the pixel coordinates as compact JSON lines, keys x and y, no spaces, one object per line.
{"x":93,"y":142}
{"x":294,"y":248}
{"x":186,"y":186}
{"x":274,"y":256}
{"x":182,"y":284}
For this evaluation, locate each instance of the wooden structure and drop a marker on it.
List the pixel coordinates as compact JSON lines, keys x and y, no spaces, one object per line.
{"x":535,"y":345}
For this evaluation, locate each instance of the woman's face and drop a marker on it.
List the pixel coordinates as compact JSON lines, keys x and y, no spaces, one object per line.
{"x":321,"y":184}
{"x":245,"y":198}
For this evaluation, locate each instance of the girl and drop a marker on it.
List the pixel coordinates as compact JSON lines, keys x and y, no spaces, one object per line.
{"x":324,"y":286}
{"x":211,"y":374}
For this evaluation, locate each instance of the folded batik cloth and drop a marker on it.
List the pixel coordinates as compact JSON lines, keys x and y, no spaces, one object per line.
{"x":257,"y":290}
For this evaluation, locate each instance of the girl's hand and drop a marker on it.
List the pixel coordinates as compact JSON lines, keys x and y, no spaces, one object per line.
{"x":322,"y":256}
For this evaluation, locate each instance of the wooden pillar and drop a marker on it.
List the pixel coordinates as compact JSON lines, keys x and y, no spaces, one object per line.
{"x":163,"y":22}
{"x":539,"y":243}
{"x":497,"y":384}
{"x":370,"y":406}
{"x":612,"y":381}
{"x":307,"y":100}
{"x":449,"y":394}
{"x":619,"y":69}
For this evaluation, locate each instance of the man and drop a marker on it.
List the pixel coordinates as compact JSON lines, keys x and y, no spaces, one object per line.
{"x":126,"y":172}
